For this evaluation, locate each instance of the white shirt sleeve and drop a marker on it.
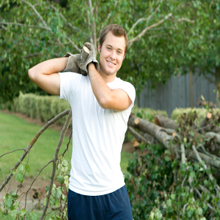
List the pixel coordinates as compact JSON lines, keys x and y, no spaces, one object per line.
{"x":69,"y":83}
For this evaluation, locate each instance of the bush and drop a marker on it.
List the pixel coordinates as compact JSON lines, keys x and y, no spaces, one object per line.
{"x":201,"y":113}
{"x":147,"y":113}
{"x":42,"y":107}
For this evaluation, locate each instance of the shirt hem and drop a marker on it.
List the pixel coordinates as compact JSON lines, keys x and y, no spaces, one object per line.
{"x":95,"y":193}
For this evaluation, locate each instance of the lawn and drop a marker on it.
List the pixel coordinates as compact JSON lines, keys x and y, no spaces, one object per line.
{"x":16,"y":133}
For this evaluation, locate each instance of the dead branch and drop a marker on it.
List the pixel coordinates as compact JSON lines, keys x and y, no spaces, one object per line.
{"x":35,"y":180}
{"x":165,"y":122}
{"x":137,"y":135}
{"x":12,"y":152}
{"x":62,"y":135}
{"x":204,"y":165}
{"x":183,"y":154}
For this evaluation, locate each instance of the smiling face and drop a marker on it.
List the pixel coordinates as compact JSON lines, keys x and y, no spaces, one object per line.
{"x":112,"y":54}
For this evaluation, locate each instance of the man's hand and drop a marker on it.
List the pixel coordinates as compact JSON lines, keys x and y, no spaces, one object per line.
{"x":91,"y":58}
{"x":72,"y":64}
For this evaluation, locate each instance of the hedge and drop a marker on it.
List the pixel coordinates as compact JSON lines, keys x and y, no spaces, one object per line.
{"x":201,"y":113}
{"x":147,"y":113}
{"x":42,"y":107}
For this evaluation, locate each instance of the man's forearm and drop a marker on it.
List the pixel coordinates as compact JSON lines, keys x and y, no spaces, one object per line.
{"x":50,"y":66}
{"x":100,"y":89}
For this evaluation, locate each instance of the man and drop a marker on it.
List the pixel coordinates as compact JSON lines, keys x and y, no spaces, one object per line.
{"x":101,"y":104}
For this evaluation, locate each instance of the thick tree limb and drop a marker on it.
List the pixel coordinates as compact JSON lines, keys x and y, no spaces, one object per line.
{"x":165,"y":122}
{"x":137,"y":135}
{"x":151,"y":129}
{"x":213,"y":135}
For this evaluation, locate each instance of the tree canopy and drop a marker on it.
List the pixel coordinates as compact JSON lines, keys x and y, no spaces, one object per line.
{"x":164,"y":37}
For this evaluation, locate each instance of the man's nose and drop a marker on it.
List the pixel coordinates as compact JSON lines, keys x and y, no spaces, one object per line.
{"x":113,"y":54}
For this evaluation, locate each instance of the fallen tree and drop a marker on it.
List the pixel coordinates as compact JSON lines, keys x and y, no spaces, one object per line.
{"x":189,"y":157}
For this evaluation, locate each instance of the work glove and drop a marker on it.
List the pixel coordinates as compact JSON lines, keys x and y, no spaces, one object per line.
{"x":72,"y":64}
{"x":91,"y":58}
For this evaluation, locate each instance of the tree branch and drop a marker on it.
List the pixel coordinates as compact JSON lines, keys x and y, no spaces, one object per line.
{"x":12,"y":151}
{"x":137,"y":135}
{"x":204,"y":165}
{"x":148,"y":28}
{"x":37,"y":13}
{"x":34,"y":181}
{"x":143,"y":19}
{"x":62,"y":135}
{"x":93,"y":23}
{"x":24,"y":25}
{"x":183,"y":154}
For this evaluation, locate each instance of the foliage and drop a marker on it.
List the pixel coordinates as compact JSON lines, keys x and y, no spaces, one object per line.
{"x":163,"y":185}
{"x":164,"y":36}
{"x":36,"y":106}
{"x":147,"y":113}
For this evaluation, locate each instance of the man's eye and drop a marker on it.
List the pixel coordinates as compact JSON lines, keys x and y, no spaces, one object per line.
{"x":109,"y":48}
{"x":119,"y":52}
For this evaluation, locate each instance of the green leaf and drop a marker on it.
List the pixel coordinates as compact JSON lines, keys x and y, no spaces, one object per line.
{"x":20,"y":177}
{"x":27,"y":168}
{"x":60,"y":179}
{"x":21,"y":167}
{"x":23,"y":212}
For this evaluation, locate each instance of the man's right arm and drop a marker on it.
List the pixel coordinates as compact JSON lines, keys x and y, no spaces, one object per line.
{"x":46,"y":76}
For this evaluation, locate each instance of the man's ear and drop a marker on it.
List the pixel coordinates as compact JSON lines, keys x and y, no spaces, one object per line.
{"x":99,"y":48}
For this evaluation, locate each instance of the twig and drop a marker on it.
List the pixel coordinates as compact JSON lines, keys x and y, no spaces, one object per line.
{"x":183,"y":154}
{"x":73,"y":44}
{"x":37,"y":13}
{"x":204,"y":165}
{"x":62,"y":135}
{"x":12,"y":151}
{"x":67,"y":146}
{"x":62,"y":16}
{"x":24,"y":25}
{"x":34,"y":181}
{"x":31,"y":145}
{"x":197,"y":191}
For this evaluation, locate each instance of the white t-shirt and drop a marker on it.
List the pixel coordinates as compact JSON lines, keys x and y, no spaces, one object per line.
{"x":98,"y":135}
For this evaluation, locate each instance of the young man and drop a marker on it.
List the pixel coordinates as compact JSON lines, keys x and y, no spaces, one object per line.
{"x":101,"y":104}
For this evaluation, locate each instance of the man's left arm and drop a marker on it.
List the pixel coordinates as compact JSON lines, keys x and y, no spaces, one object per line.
{"x":115,"y":99}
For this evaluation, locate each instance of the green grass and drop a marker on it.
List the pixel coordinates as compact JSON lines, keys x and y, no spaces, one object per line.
{"x":16,"y":133}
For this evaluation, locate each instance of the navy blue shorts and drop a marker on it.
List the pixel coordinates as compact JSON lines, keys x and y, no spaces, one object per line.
{"x":112,"y":206}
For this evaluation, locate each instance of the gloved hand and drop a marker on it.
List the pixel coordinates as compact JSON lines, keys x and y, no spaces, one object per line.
{"x":91,"y":58}
{"x":72,"y":64}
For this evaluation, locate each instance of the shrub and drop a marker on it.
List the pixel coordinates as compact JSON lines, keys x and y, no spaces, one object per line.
{"x":147,"y":113}
{"x":201,"y":113}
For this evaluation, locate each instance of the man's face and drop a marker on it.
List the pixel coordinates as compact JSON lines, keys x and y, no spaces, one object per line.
{"x":112,"y":54}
